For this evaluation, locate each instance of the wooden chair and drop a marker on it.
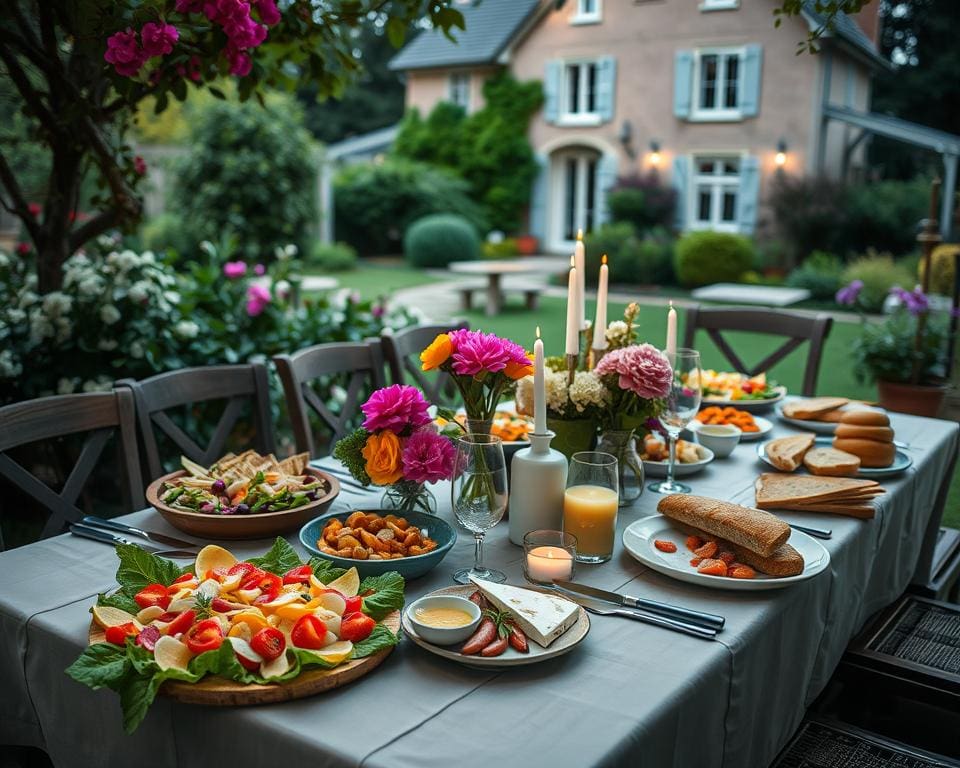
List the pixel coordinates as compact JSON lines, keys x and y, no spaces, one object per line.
{"x":101,"y":414}
{"x":237,"y":384}
{"x":402,"y":352}
{"x":360,"y":363}
{"x":772,"y":322}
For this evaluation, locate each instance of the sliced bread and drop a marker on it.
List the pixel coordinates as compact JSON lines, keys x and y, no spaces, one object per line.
{"x":785,"y":561}
{"x":812,"y":407}
{"x":754,"y":529}
{"x":861,"y":509}
{"x":773,"y":490}
{"x":831,"y":462}
{"x":786,"y":453}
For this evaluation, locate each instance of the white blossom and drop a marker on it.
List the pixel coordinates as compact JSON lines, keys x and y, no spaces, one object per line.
{"x":282,"y":288}
{"x":90,"y":286}
{"x":587,"y":391}
{"x":27,"y":298}
{"x":15,"y":315}
{"x":107,"y":345}
{"x":66,"y":386}
{"x":100,"y":384}
{"x":616,"y":332}
{"x":109,"y":314}
{"x":57,"y":303}
{"x":40,"y":327}
{"x":186,"y":329}
{"x":137,"y":350}
{"x":139,"y":291}
{"x":291,"y":250}
{"x":4,"y":260}
{"x":172,"y":296}
{"x":9,"y":365}
{"x":147,"y":257}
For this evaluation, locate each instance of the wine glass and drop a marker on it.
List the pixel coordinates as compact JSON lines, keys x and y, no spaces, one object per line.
{"x":682,"y":404}
{"x":590,"y":504}
{"x":479,"y":496}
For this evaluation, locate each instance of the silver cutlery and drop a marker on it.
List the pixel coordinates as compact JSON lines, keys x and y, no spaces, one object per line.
{"x":605,"y":609}
{"x":675,"y":612}
{"x":819,"y":533}
{"x":114,"y":525}
{"x":343,"y":477}
{"x":96,"y":534}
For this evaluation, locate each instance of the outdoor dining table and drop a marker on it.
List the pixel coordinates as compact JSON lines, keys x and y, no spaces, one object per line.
{"x":629,"y":695}
{"x":496,"y":269}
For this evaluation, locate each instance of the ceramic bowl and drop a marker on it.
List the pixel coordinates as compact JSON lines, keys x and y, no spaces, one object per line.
{"x":719,"y":438}
{"x":444,"y":635}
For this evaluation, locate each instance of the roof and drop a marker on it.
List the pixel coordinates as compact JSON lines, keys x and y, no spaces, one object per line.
{"x":847,"y":30}
{"x":365,"y":143}
{"x":896,"y":128}
{"x":490,"y":26}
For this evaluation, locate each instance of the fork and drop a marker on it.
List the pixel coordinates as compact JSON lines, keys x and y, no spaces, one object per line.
{"x":658,"y":621}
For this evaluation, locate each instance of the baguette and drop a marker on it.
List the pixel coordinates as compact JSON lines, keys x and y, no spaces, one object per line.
{"x":831,"y":462}
{"x":773,"y":489}
{"x":753,"y":529}
{"x":813,"y":407}
{"x":871,"y":452}
{"x":880,"y":434}
{"x":786,"y":453}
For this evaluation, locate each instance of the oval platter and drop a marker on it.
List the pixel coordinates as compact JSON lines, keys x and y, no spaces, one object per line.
{"x":754,"y":406}
{"x":901,"y":461}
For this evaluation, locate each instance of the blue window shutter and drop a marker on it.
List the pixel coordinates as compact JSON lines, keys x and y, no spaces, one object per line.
{"x":538,"y":200}
{"x":750,"y":84}
{"x":680,"y":172}
{"x":606,"y":87}
{"x":607,"y":168}
{"x":551,"y":91}
{"x":682,"y":83}
{"x":749,"y":194}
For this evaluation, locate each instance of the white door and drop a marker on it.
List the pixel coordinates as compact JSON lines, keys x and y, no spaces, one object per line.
{"x":574,"y":196}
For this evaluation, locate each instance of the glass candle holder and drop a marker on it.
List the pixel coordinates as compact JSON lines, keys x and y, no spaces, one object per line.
{"x":549,"y":556}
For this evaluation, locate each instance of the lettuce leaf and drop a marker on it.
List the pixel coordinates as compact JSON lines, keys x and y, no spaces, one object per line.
{"x":100,"y":665}
{"x":387,"y":594}
{"x":138,"y":568}
{"x":380,"y":638}
{"x":324,"y":570}
{"x":279,"y":559}
{"x":119,"y":600}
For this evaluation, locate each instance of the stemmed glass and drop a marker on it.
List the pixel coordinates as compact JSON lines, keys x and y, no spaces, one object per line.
{"x":479,"y":496}
{"x":682,"y":404}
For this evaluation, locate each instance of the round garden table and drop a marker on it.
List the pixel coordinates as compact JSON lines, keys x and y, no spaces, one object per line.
{"x":495,"y":270}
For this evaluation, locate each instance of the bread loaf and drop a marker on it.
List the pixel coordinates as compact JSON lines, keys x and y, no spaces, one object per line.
{"x":866,"y":418}
{"x":880,"y":434}
{"x":811,"y":407}
{"x":786,"y":453}
{"x":753,"y":529}
{"x":831,"y":462}
{"x":872,"y":453}
{"x":785,"y":561}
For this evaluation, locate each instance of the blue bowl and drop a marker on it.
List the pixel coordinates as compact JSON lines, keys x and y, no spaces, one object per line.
{"x":410,"y":567}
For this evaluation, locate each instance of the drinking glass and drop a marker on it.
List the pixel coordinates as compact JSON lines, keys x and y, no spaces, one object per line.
{"x":479,"y":496}
{"x":590,"y":504}
{"x":682,"y":404}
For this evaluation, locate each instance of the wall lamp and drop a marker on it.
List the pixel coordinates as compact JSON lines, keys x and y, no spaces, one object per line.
{"x":655,"y":154}
{"x":781,"y":157}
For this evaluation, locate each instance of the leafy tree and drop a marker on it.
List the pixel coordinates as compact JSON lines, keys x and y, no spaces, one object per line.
{"x":828,"y":11}
{"x":81,"y":67}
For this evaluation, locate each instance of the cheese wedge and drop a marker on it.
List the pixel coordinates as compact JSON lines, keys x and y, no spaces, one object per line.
{"x":542,"y":617}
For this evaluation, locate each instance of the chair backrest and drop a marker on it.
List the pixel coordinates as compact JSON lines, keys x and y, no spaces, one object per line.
{"x":360,"y":363}
{"x":402,"y":352}
{"x":798,"y":328}
{"x":101,"y":414}
{"x":237,"y":384}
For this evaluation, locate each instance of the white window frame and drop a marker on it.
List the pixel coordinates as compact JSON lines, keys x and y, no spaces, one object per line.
{"x":719,"y":183}
{"x":567,"y":117}
{"x":455,"y":82}
{"x":717,"y":114}
{"x":719,"y":5}
{"x":581,"y":16}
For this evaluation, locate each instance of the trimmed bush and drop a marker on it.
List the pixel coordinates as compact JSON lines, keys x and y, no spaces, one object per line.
{"x":886,"y":214}
{"x":505,"y":249}
{"x":879,"y":273}
{"x":435,"y":241}
{"x":942,"y":262}
{"x":332,"y":257}
{"x":706,"y":257}
{"x":821,"y":274}
{"x":166,"y":232}
{"x":632,"y":259}
{"x":641,"y":201}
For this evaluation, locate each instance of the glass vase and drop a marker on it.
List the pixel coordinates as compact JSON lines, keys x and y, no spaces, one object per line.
{"x":407,"y":496}
{"x":572,"y":435}
{"x":622,"y":443}
{"x":479,"y":426}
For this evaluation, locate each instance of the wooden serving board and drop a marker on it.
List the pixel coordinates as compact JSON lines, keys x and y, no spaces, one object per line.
{"x":217,"y":692}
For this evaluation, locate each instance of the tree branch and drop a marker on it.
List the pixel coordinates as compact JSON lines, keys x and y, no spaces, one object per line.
{"x":30,"y":95}
{"x":96,"y":226}
{"x":125,"y":198}
{"x":20,"y":208}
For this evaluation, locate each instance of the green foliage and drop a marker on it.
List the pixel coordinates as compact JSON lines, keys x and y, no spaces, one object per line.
{"x":823,"y":21}
{"x":436,"y":240}
{"x":480,"y":146}
{"x":642,"y":201}
{"x":886,"y":351}
{"x":821,"y":274}
{"x":386,"y":594}
{"x":332,"y":257}
{"x":809,"y":213}
{"x":166,"y":232}
{"x":279,"y":559}
{"x":377,"y":202}
{"x":632,"y":259}
{"x":879,"y":273}
{"x":249,"y":174}
{"x":702,"y":258}
{"x":504,"y":249}
{"x":349,"y":452}
{"x":943,"y":262}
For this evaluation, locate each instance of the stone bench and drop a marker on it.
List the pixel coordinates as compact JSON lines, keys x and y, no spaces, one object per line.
{"x":531,"y":293}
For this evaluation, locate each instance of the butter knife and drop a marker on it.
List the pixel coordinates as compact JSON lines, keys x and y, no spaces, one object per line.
{"x":97,"y":534}
{"x":605,"y":609}
{"x":158,"y":538}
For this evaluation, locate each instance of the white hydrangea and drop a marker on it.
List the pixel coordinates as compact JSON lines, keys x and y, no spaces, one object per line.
{"x":139,"y":291}
{"x":107,"y":345}
{"x":109,"y":314}
{"x":616,"y":332}
{"x":186,"y":329}
{"x":67,"y":386}
{"x":137,"y":350}
{"x":100,"y":384}
{"x":4,"y":260}
{"x":557,"y":394}
{"x":16,"y":316}
{"x":123,"y":260}
{"x":172,"y":296}
{"x":282,"y":288}
{"x":10,"y":367}
{"x":27,"y":298}
{"x":147,"y":257}
{"x":57,"y":303}
{"x":90,"y":286}
{"x":64,"y":328}
{"x":588,"y":391}
{"x":524,"y":396}
{"x":40,"y":327}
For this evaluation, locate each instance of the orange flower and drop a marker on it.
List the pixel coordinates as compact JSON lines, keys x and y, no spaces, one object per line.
{"x":436,"y":353}
{"x":517,"y":370}
{"x":382,"y":454}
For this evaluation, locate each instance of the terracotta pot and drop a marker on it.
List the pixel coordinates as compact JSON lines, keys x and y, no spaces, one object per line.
{"x":915,"y":399}
{"x":527,"y":245}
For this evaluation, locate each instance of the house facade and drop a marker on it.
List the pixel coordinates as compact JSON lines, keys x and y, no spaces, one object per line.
{"x":706,"y":93}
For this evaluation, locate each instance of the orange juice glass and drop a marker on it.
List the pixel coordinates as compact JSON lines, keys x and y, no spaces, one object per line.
{"x":590,"y":505}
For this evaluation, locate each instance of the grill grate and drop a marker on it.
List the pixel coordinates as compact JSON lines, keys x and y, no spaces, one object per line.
{"x":923,"y":634}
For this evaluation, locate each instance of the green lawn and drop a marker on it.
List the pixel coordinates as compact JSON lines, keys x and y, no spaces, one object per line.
{"x":375,"y":279}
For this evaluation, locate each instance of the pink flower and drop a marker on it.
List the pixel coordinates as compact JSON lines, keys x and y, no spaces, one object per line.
{"x":398,"y":408}
{"x":258,"y":297}
{"x":139,"y":166}
{"x":125,"y":53}
{"x":427,"y":457}
{"x":235,"y":269}
{"x":23,"y":248}
{"x":477,"y":352}
{"x":240,"y":63}
{"x":158,"y":39}
{"x":269,"y":14}
{"x":259,"y":269}
{"x":35,"y":209}
{"x":641,"y":369}
{"x":378,"y":311}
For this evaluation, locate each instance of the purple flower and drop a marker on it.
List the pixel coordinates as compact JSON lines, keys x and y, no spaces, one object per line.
{"x":427,"y":457}
{"x":847,"y":296}
{"x":476,"y":352}
{"x":158,"y":39}
{"x":641,"y":369}
{"x":269,"y":14}
{"x":398,"y":408}
{"x":915,"y":301}
{"x":259,"y":269}
{"x":235,"y":269}
{"x":240,"y":63}
{"x":125,"y":53}
{"x":258,"y":297}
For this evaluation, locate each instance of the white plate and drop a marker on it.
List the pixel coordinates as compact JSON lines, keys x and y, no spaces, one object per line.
{"x":639,"y":536}
{"x":754,"y":406}
{"x":820,"y":427}
{"x":659,"y":468}
{"x":901,"y":461}
{"x":764,"y":425}
{"x":510,"y":657}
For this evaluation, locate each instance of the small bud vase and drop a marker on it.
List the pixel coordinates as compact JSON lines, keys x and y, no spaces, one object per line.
{"x":538,"y":479}
{"x":407,"y":496}
{"x":622,"y":443}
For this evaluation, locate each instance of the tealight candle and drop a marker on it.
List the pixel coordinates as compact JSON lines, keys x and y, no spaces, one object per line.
{"x":549,"y":556}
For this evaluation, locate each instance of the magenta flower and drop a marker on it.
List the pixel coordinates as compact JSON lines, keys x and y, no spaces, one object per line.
{"x":398,"y":408}
{"x":240,"y":63}
{"x":477,"y":352}
{"x":139,"y":166}
{"x":235,"y":269}
{"x":125,"y":53}
{"x":259,"y":269}
{"x":258,"y":298}
{"x":641,"y":369}
{"x":269,"y":14}
{"x":378,"y":310}
{"x":158,"y":39}
{"x":189,"y":6}
{"x":427,"y":457}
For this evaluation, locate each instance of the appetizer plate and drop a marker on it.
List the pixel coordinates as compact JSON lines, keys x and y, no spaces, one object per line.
{"x":901,"y":461}
{"x":764,"y":427}
{"x":754,"y":406}
{"x":659,"y":468}
{"x":808,"y":425}
{"x":259,"y":525}
{"x":639,"y":536}
{"x":410,"y":567}
{"x":510,"y":657}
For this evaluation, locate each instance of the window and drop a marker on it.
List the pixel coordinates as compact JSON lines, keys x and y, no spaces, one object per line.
{"x":715,"y":193}
{"x":586,"y":12}
{"x":458,"y":88}
{"x":719,"y":5}
{"x":718,"y":76}
{"x":579,"y":99}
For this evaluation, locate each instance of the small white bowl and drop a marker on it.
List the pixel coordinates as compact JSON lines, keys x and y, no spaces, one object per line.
{"x":719,"y":438}
{"x":444,"y":635}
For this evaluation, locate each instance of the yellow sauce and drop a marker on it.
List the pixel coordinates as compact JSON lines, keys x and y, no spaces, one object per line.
{"x":443,"y":617}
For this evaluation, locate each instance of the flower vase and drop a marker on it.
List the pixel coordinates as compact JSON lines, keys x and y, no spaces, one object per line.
{"x":479,"y":426}
{"x":407,"y":496}
{"x":572,"y":435}
{"x":622,"y":443}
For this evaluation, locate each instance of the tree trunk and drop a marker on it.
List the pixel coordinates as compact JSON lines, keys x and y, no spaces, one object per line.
{"x":53,"y":247}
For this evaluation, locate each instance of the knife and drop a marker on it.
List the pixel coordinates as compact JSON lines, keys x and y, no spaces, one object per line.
{"x":106,"y":537}
{"x":343,"y":477}
{"x":708,"y":620}
{"x":605,"y":609}
{"x":820,"y":533}
{"x":113,"y":525}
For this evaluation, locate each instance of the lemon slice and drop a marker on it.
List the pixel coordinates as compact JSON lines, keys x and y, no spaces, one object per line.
{"x":337,"y":652}
{"x":107,"y":616}
{"x":231,"y":582}
{"x":242,"y":631}
{"x":213,"y":556}
{"x":294,"y":612}
{"x":347,"y":585}
{"x":277,"y":667}
{"x":285,"y":599}
{"x":170,"y":653}
{"x":149,"y":614}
